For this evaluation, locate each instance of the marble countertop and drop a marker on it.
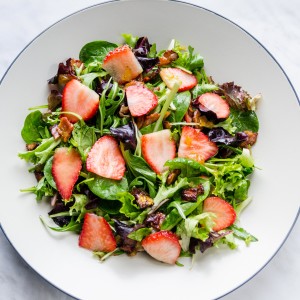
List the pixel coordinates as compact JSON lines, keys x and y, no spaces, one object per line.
{"x":275,"y":23}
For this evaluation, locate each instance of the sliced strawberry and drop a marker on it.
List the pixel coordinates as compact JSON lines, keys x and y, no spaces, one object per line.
{"x":225,"y":214}
{"x":157,"y":148}
{"x":194,"y":144}
{"x":215,"y":103}
{"x":171,"y":75}
{"x":163,"y":246}
{"x":105,"y":159}
{"x":96,"y":234}
{"x":140,"y":99}
{"x":79,"y":99}
{"x":122,"y":65}
{"x":66,"y":167}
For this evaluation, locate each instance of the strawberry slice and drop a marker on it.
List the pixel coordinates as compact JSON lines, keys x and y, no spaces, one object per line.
{"x":171,"y":75}
{"x":157,"y":148}
{"x":66,"y":167}
{"x":215,"y":103}
{"x":225,"y":213}
{"x":96,"y":234}
{"x":79,"y":99}
{"x":122,"y":65}
{"x":194,"y":144}
{"x":140,"y":99}
{"x":105,"y":159}
{"x":163,"y":246}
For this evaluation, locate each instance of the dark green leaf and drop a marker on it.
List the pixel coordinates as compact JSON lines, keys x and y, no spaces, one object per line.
{"x":95,"y":51}
{"x":31,"y":129}
{"x":181,"y":102}
{"x":48,"y":173}
{"x":244,"y":120}
{"x":107,"y":188}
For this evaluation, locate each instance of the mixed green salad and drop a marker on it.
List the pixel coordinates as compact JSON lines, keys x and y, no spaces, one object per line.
{"x":140,"y":150}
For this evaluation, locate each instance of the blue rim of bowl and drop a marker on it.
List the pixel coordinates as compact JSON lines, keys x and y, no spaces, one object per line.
{"x":197,"y":7}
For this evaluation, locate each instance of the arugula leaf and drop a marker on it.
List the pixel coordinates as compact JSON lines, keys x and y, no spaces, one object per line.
{"x":138,"y":166}
{"x":73,"y":225}
{"x":48,"y":172}
{"x":41,"y":153}
{"x":244,"y":120}
{"x":107,"y":188}
{"x":242,"y":234}
{"x":95,"y":51}
{"x":41,"y":190}
{"x":174,"y":217}
{"x":31,"y":131}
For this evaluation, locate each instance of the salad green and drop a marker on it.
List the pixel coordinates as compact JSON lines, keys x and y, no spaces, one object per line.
{"x":146,"y":200}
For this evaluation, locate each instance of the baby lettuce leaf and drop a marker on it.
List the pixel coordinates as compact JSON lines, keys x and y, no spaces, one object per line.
{"x":31,"y":131}
{"x":129,"y":208}
{"x":244,"y":120}
{"x":188,"y":167}
{"x":203,"y":88}
{"x":175,"y":216}
{"x":83,"y":138}
{"x":107,"y":188}
{"x":95,"y":51}
{"x":181,"y":102}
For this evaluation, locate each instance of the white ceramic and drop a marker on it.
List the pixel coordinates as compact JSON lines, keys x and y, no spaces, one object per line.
{"x":230,"y":54}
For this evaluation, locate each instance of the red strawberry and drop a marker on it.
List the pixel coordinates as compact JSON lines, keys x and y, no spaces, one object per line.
{"x":105,"y":159}
{"x":225,"y":214}
{"x":79,"y":99}
{"x":171,"y":75}
{"x":163,"y":246}
{"x":194,"y":144}
{"x":96,"y":234}
{"x":140,"y":99}
{"x":66,"y":167}
{"x":216,"y":104}
{"x":122,"y":65}
{"x":157,"y":148}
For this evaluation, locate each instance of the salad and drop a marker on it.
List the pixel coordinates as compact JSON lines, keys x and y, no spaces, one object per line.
{"x":140,"y":150}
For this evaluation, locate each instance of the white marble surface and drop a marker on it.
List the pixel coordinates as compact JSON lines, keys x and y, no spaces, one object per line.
{"x":275,"y":23}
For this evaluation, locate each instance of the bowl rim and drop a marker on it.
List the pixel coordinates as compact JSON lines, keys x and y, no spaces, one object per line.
{"x":197,"y":6}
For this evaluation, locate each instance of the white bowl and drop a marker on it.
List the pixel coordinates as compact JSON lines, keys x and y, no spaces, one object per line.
{"x":230,"y":54}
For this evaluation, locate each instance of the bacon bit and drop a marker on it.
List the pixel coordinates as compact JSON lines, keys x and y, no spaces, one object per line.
{"x":173,"y":176}
{"x":155,"y":220}
{"x":191,"y":194}
{"x":251,"y":139}
{"x":32,"y":146}
{"x":65,"y":128}
{"x":142,"y":198}
{"x":168,"y":57}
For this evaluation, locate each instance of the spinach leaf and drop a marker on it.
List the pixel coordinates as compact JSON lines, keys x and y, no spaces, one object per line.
{"x":111,"y":207}
{"x":31,"y":129}
{"x":95,"y":51}
{"x":107,"y":188}
{"x":244,"y":120}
